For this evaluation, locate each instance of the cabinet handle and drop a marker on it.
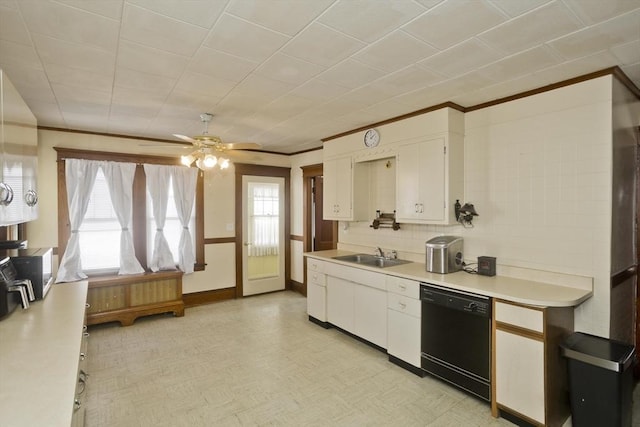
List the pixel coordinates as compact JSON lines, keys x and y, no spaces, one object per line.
{"x":6,"y":194}
{"x":403,"y":287}
{"x":82,"y":383}
{"x":87,"y":305}
{"x":83,"y":356}
{"x":31,"y":198}
{"x":402,"y":305}
{"x":415,"y":208}
{"x":86,"y":334}
{"x":76,"y":404}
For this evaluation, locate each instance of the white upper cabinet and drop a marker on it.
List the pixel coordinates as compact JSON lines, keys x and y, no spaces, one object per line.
{"x":345,"y":194}
{"x":18,"y":157}
{"x":429,"y":179}
{"x":420,"y":178}
{"x":337,"y":188}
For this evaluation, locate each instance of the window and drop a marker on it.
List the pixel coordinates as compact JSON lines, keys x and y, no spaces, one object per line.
{"x":172,"y":226}
{"x":100,"y":230}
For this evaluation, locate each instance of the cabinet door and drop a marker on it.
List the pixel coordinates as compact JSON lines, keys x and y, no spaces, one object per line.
{"x":520,"y":374}
{"x":420,"y":182}
{"x":340,"y":300}
{"x":404,"y":337}
{"x":370,"y":319}
{"x":317,"y":301}
{"x":337,"y":193}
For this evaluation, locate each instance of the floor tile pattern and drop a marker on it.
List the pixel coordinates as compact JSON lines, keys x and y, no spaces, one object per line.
{"x":258,"y":361}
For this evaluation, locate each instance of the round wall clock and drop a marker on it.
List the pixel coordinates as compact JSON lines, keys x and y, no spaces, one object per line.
{"x":371,"y":138}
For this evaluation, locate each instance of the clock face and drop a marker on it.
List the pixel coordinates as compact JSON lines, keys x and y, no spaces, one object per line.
{"x":371,"y":138}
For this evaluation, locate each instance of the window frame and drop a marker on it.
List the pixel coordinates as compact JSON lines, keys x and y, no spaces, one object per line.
{"x":139,"y":214}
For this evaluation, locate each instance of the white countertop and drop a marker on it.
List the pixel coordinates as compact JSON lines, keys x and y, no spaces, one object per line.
{"x":39,"y":356}
{"x":507,"y":288}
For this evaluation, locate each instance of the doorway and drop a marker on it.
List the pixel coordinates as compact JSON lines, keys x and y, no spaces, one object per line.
{"x":263,"y":277}
{"x":263,"y":231}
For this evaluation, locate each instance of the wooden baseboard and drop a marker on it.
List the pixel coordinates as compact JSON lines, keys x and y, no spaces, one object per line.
{"x":208,"y":297}
{"x":297,"y":287}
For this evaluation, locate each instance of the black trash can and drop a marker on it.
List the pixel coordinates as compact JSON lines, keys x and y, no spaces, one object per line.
{"x":600,"y":380}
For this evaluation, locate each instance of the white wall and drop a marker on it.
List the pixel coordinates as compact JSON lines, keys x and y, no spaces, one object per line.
{"x":297,"y":204}
{"x":219,"y":197}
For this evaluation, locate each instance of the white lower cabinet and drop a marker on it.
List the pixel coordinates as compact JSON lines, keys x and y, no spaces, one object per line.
{"x":403,"y":319}
{"x":520,"y":374}
{"x":357,"y":302}
{"x":340,"y":300}
{"x":370,"y":315}
{"x":316,"y":290}
{"x":530,"y":376}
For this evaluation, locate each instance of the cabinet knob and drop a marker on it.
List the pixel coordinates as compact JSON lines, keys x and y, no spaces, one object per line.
{"x":76,"y":404}
{"x":402,"y":305}
{"x":31,"y":198}
{"x":6,"y":194}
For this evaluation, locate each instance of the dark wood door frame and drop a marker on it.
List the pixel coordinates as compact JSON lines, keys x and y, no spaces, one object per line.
{"x":636,"y":369}
{"x":309,"y":173}
{"x":270,"y":171}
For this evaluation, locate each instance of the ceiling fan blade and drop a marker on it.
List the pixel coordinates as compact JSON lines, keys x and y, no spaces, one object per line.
{"x":241,"y":146}
{"x":172,"y":145}
{"x":185,"y":138}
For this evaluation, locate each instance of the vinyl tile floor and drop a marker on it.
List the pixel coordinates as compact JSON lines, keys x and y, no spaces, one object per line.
{"x":258,"y":361}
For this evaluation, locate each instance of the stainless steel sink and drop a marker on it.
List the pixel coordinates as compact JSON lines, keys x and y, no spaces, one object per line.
{"x":371,"y":260}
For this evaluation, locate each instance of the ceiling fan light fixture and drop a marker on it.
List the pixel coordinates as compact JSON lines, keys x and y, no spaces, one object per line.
{"x":209,"y":161}
{"x":187,"y":160}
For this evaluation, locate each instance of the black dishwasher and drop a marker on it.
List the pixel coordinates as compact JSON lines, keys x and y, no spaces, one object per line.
{"x":456,"y":338}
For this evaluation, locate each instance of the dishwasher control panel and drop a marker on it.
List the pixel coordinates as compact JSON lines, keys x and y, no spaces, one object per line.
{"x":461,"y":301}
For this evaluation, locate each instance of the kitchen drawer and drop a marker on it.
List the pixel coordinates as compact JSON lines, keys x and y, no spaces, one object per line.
{"x":315,"y":278}
{"x":402,"y":286}
{"x":315,"y":265}
{"x":403,"y":304}
{"x":356,"y":275}
{"x":523,"y":317}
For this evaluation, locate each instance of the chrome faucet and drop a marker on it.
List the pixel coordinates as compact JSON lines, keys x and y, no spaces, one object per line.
{"x":379,"y":252}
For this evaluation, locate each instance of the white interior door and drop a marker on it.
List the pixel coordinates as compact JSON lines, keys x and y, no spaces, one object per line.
{"x":263,"y":234}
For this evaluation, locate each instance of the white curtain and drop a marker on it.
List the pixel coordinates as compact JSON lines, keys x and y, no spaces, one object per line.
{"x":158,"y":177}
{"x":120,"y":181}
{"x":184,"y":194}
{"x":80,"y":176}
{"x":264,"y":220}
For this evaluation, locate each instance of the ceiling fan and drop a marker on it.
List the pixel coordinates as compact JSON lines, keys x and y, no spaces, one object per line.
{"x":209,"y":149}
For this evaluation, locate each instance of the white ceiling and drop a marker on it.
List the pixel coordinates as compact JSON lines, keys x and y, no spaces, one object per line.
{"x":286,"y":73}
